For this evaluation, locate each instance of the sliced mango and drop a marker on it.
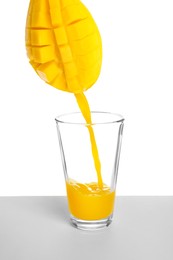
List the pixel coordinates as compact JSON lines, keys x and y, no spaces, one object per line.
{"x":40,"y":37}
{"x":65,"y":3}
{"x":56,"y":17}
{"x":82,"y":29}
{"x":43,"y":54}
{"x":40,"y":20}
{"x":61,"y":36}
{"x":48,"y":71}
{"x":66,"y":53}
{"x":63,"y":44}
{"x":86,"y":45}
{"x":74,"y":13}
{"x":70,"y":70}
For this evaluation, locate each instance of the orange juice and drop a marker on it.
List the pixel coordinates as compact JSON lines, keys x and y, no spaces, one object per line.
{"x":89,"y":201}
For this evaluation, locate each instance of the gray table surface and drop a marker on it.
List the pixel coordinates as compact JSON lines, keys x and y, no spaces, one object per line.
{"x":37,"y":228}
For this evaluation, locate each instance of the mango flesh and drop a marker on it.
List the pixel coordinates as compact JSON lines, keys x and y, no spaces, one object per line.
{"x":63,"y":44}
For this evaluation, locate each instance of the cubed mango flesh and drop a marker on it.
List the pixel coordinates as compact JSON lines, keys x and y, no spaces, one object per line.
{"x":63,"y":44}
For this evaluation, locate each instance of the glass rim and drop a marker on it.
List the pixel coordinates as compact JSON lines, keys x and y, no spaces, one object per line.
{"x":120,"y":119}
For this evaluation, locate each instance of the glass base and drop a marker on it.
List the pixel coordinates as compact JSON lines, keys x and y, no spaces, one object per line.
{"x":91,"y":225}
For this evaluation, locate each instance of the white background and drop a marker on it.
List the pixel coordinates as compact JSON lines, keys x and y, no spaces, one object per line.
{"x":136,"y":81}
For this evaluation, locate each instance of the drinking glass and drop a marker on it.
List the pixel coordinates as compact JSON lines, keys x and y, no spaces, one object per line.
{"x":90,"y":203}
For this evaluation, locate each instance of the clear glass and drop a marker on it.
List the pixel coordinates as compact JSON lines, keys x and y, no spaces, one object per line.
{"x":87,"y":207}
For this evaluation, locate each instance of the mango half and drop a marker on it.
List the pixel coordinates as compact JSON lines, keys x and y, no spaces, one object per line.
{"x":63,"y":44}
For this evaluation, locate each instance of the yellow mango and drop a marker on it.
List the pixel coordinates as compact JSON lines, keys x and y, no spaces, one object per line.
{"x":78,"y":31}
{"x":63,"y":44}
{"x":42,"y":54}
{"x":41,"y":37}
{"x":60,"y":82}
{"x":61,"y":36}
{"x":27,"y":37}
{"x":48,"y":71}
{"x":74,"y":13}
{"x":92,"y":58}
{"x":35,"y":65}
{"x":70,"y":70}
{"x":56,"y":17}
{"x":66,"y":53}
{"x":65,"y":3}
{"x":40,"y":20}
{"x":73,"y":85}
{"x":40,"y":5}
{"x":29,"y":53}
{"x":86,"y":45}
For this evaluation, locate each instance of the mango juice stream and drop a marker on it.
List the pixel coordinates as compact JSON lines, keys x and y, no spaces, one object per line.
{"x":85,"y":110}
{"x":90,"y":201}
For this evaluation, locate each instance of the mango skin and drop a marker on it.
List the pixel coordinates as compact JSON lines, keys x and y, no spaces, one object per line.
{"x":63,"y":44}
